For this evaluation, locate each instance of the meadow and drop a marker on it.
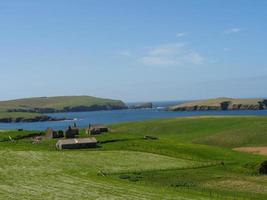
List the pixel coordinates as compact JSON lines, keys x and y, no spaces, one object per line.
{"x":179,"y":158}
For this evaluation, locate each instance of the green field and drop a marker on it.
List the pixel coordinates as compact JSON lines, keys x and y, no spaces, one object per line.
{"x":191,"y":158}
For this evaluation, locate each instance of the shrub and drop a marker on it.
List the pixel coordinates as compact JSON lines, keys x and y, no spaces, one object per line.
{"x":263,"y":167}
{"x":124,"y":176}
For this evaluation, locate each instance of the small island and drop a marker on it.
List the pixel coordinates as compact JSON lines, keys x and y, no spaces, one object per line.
{"x":147,"y":105}
{"x":221,"y":104}
{"x":35,"y":109}
{"x":26,"y":117}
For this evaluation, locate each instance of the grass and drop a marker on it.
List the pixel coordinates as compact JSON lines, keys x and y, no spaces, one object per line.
{"x":15,"y":115}
{"x":191,"y":159}
{"x":13,"y":134}
{"x":66,"y":175}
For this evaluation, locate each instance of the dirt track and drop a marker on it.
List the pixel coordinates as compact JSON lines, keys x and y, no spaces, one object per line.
{"x":256,"y":150}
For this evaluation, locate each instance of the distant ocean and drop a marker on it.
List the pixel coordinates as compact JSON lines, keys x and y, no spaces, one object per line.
{"x":82,"y":119}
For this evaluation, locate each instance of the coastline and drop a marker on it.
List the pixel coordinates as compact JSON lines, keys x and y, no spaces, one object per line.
{"x":43,"y":118}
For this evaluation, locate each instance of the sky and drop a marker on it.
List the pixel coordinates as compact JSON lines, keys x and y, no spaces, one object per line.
{"x":133,"y":50}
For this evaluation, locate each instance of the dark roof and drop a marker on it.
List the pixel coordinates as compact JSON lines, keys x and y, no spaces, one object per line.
{"x":73,"y":128}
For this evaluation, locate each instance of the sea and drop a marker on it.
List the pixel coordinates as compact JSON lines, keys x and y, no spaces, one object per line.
{"x":83,"y":119}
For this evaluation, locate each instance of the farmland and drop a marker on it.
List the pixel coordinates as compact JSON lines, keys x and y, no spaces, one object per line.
{"x":183,"y":158}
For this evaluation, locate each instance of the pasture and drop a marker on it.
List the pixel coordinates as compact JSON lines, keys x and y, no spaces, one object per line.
{"x":183,"y":158}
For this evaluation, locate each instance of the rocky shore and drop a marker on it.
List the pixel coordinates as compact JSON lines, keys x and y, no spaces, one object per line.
{"x":42,"y":118}
{"x":69,"y":109}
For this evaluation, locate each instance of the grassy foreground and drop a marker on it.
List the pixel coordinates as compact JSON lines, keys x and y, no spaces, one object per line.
{"x":192,"y":158}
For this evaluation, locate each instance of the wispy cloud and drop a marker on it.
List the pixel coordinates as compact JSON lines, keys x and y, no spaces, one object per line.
{"x":154,"y":60}
{"x":194,"y":58}
{"x":232,"y":30}
{"x":167,"y":49}
{"x":181,"y":34}
{"x":172,"y":54}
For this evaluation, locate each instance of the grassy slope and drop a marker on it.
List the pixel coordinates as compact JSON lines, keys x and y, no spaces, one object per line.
{"x":18,"y":115}
{"x":216,"y":130}
{"x":185,"y":162}
{"x":218,"y":101}
{"x":57,"y":102}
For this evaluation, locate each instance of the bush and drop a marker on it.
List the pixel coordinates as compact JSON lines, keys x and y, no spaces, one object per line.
{"x":263,"y":167}
{"x":150,"y":137}
{"x":124,"y":176}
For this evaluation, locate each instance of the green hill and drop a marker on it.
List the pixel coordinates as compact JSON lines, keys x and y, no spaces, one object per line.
{"x":222,"y":104}
{"x":61,"y":104}
{"x":31,"y":108}
{"x":184,"y":158}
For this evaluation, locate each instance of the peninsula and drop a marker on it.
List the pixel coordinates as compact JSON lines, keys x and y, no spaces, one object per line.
{"x":33,"y":109}
{"x":221,"y":104}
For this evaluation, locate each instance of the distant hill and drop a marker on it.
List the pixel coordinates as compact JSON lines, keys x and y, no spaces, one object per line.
{"x":60,"y":104}
{"x":221,"y":104}
{"x":31,"y":109}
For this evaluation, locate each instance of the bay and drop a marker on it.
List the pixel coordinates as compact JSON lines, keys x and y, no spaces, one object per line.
{"x":82,"y":119}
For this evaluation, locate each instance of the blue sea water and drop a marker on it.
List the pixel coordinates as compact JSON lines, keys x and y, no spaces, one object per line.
{"x":82,"y":119}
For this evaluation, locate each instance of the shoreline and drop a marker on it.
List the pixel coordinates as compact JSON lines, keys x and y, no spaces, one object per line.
{"x":9,"y":120}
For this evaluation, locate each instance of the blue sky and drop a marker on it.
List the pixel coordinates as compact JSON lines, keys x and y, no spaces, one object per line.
{"x":133,"y":50}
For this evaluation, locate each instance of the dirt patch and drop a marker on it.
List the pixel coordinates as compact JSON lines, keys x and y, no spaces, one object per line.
{"x":238,"y":184}
{"x":255,"y":150}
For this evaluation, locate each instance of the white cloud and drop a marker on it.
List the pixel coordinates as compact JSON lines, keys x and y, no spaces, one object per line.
{"x":181,"y":34}
{"x":232,"y":30}
{"x":172,"y":54}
